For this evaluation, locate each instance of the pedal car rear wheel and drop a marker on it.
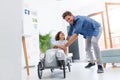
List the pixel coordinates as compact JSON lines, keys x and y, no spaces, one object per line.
{"x":69,"y":68}
{"x":40,"y":68}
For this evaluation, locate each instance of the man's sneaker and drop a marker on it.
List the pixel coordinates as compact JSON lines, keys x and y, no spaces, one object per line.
{"x":90,"y":65}
{"x":100,"y":69}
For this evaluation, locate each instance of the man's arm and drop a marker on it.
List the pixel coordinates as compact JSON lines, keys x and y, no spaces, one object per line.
{"x":68,"y":37}
{"x":71,"y":39}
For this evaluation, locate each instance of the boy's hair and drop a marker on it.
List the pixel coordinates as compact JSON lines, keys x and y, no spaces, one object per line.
{"x":66,"y":13}
{"x":57,"y":35}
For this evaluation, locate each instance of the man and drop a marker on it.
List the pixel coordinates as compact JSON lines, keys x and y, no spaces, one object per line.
{"x":91,"y":31}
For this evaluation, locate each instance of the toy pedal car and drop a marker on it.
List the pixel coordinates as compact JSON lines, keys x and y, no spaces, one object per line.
{"x":54,"y":58}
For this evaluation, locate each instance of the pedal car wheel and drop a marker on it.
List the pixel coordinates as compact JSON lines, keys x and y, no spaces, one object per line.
{"x":69,"y":68}
{"x":40,"y":70}
{"x":64,"y":72}
{"x":52,"y":70}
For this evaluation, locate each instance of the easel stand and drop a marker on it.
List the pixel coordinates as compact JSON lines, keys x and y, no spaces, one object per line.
{"x":25,"y":55}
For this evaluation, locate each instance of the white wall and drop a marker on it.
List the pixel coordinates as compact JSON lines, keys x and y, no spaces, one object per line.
{"x":10,"y":39}
{"x":50,"y":15}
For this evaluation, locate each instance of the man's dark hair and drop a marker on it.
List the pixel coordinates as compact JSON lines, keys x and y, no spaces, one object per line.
{"x":66,"y":13}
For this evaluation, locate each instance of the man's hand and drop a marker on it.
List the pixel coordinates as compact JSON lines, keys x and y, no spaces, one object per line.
{"x":63,"y":47}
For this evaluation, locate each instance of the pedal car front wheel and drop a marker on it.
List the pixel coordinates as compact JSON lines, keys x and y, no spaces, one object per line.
{"x":52,"y":69}
{"x":40,"y":70}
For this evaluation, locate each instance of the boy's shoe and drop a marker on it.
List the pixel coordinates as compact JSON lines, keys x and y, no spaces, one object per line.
{"x":100,"y":69}
{"x":90,"y":65}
